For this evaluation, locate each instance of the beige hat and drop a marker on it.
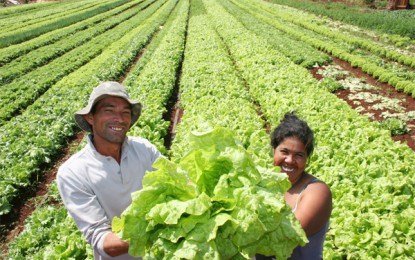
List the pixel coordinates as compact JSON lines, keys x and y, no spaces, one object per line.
{"x":108,"y":88}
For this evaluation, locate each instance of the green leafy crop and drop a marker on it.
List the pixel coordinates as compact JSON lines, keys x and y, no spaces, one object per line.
{"x":214,"y":204}
{"x":396,"y":126}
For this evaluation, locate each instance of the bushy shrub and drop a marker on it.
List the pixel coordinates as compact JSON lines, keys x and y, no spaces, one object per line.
{"x":370,"y":3}
{"x":393,"y":81}
{"x":396,"y":126}
{"x":331,"y":84}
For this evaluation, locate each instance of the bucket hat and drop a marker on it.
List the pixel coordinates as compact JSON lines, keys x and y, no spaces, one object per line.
{"x":105,"y":89}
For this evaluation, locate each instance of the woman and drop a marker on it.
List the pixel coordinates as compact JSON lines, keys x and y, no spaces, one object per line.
{"x":310,"y":199}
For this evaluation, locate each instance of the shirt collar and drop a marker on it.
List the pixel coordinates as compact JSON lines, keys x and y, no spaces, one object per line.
{"x":124,"y":147}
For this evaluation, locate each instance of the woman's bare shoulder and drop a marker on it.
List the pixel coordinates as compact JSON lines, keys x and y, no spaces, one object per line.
{"x":318,"y":189}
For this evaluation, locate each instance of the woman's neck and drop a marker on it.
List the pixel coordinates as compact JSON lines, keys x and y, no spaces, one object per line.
{"x":299,"y":181}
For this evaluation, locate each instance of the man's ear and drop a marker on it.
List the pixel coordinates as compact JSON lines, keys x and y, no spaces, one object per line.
{"x":89,"y":118}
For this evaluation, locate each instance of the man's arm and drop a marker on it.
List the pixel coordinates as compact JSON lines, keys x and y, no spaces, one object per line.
{"x":87,"y":212}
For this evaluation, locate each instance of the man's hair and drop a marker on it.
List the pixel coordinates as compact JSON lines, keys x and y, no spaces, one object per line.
{"x":292,"y":126}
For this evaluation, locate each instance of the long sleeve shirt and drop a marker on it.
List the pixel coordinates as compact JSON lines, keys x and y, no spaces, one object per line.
{"x":95,"y":188}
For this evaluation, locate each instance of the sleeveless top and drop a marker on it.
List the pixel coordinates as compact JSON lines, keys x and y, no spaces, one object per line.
{"x":314,"y":248}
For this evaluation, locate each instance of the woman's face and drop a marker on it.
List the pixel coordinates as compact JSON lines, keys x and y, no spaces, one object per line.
{"x":291,"y":156}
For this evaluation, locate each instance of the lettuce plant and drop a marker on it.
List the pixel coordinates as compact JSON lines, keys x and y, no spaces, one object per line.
{"x":213,"y":204}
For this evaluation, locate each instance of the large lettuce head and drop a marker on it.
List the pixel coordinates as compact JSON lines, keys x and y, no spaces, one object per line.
{"x":213,"y":204}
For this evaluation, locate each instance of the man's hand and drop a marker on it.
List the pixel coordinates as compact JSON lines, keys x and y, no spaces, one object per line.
{"x":114,"y":246}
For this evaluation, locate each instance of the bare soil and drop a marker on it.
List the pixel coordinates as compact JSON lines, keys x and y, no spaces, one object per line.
{"x":384,"y":90}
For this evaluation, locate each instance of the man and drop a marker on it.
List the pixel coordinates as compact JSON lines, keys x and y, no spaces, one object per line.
{"x":96,"y":183}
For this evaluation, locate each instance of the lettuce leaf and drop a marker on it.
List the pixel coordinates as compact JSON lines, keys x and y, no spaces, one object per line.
{"x":215,"y":203}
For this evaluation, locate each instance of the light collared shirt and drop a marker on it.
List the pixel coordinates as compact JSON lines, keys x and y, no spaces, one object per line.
{"x":95,"y":188}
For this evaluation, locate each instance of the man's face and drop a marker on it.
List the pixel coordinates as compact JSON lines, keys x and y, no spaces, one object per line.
{"x":111,"y":120}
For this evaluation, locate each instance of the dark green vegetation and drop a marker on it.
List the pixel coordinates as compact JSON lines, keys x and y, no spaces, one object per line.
{"x":399,"y":22}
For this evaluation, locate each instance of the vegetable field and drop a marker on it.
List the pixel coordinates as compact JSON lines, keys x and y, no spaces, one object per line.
{"x":199,"y":65}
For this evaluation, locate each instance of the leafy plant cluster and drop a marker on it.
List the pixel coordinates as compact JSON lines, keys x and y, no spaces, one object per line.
{"x":50,"y":233}
{"x":213,"y":204}
{"x":395,"y":125}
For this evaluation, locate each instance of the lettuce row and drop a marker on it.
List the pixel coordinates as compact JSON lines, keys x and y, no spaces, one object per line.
{"x":45,"y":54}
{"x":153,"y":81}
{"x":65,"y":240}
{"x":11,"y":52}
{"x":333,"y":48}
{"x":33,"y":30}
{"x":44,"y":126}
{"x":369,"y":174}
{"x":212,"y":94}
{"x":21,"y":92}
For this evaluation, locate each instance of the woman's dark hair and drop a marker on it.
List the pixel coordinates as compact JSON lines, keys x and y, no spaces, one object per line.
{"x":292,"y":126}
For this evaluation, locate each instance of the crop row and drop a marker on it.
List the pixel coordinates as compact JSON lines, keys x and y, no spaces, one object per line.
{"x":155,"y":84}
{"x":19,"y":21}
{"x":402,"y":28}
{"x":298,"y":51}
{"x":6,"y":13}
{"x":58,"y":237}
{"x":45,"y":54}
{"x":25,"y":33}
{"x":45,"y":126}
{"x":14,"y":51}
{"x":211,"y":92}
{"x":355,"y":157}
{"x":272,"y":15}
{"x":24,"y":90}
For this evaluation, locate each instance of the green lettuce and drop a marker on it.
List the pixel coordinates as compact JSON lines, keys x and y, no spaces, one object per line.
{"x":213,"y":204}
